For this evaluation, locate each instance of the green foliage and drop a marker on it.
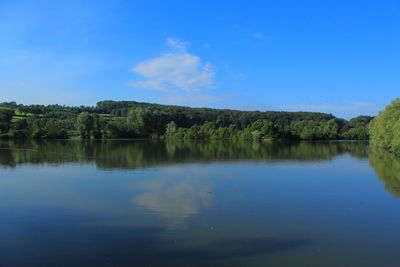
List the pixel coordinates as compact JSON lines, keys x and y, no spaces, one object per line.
{"x":360,"y":120}
{"x":116,"y":128}
{"x":36,"y":128}
{"x":357,"y":128}
{"x":6,"y":116}
{"x":263,"y":129}
{"x":357,"y":133}
{"x":129,"y":119}
{"x":186,"y":117}
{"x":140,"y":121}
{"x":171,"y":129}
{"x":385,"y":128}
{"x":54,"y":129}
{"x":41,"y":129}
{"x":85,"y":124}
{"x":92,"y":126}
{"x":21,"y":124}
{"x":306,"y":130}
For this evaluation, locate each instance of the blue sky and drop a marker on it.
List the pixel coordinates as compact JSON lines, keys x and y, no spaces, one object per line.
{"x":340,"y":57}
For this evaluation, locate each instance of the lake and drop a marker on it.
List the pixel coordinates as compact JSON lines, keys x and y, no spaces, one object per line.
{"x":148,"y":203}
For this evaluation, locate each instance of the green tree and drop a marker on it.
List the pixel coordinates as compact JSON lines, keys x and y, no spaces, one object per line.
{"x":264,"y":129}
{"x":54,"y":129}
{"x":6,"y":116}
{"x":99,"y":127}
{"x":357,"y":128}
{"x":20,"y":129}
{"x":171,"y":129}
{"x":85,"y":124}
{"x":330,"y":129}
{"x":21,"y":124}
{"x":140,"y":121}
{"x":36,"y":127}
{"x":117,"y":128}
{"x":385,"y":128}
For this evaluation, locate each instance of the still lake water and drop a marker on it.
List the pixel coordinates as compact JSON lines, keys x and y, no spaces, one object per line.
{"x":142,"y":203}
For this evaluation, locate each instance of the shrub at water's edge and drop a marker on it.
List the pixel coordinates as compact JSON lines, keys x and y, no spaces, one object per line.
{"x":385,"y":128}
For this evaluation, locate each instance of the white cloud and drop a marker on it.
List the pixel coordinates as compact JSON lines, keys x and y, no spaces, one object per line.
{"x":175,"y":70}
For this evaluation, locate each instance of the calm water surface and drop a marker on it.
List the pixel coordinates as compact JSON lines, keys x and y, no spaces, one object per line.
{"x":142,"y":203}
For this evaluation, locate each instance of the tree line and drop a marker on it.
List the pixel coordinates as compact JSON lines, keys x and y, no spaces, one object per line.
{"x":130,"y":119}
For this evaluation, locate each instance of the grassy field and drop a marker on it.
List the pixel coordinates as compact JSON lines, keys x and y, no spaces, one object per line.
{"x":18,"y":115}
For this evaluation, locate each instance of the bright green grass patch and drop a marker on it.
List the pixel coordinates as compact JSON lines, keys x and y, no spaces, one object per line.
{"x":17,"y":112}
{"x":16,"y":118}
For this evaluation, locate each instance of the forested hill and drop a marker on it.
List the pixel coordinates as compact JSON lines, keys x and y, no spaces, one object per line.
{"x":129,"y":119}
{"x":187,"y":116}
{"x":121,"y":108}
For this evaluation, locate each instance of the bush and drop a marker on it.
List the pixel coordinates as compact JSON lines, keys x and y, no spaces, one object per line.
{"x":385,"y":128}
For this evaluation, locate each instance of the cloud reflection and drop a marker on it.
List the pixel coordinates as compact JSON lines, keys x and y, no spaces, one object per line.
{"x":176,"y":196}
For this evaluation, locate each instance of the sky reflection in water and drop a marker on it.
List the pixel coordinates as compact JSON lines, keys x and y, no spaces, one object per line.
{"x":125,"y":203}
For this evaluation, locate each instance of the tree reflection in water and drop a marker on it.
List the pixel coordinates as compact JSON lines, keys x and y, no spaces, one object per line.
{"x":130,"y":154}
{"x":135,"y":154}
{"x":387,"y":169}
